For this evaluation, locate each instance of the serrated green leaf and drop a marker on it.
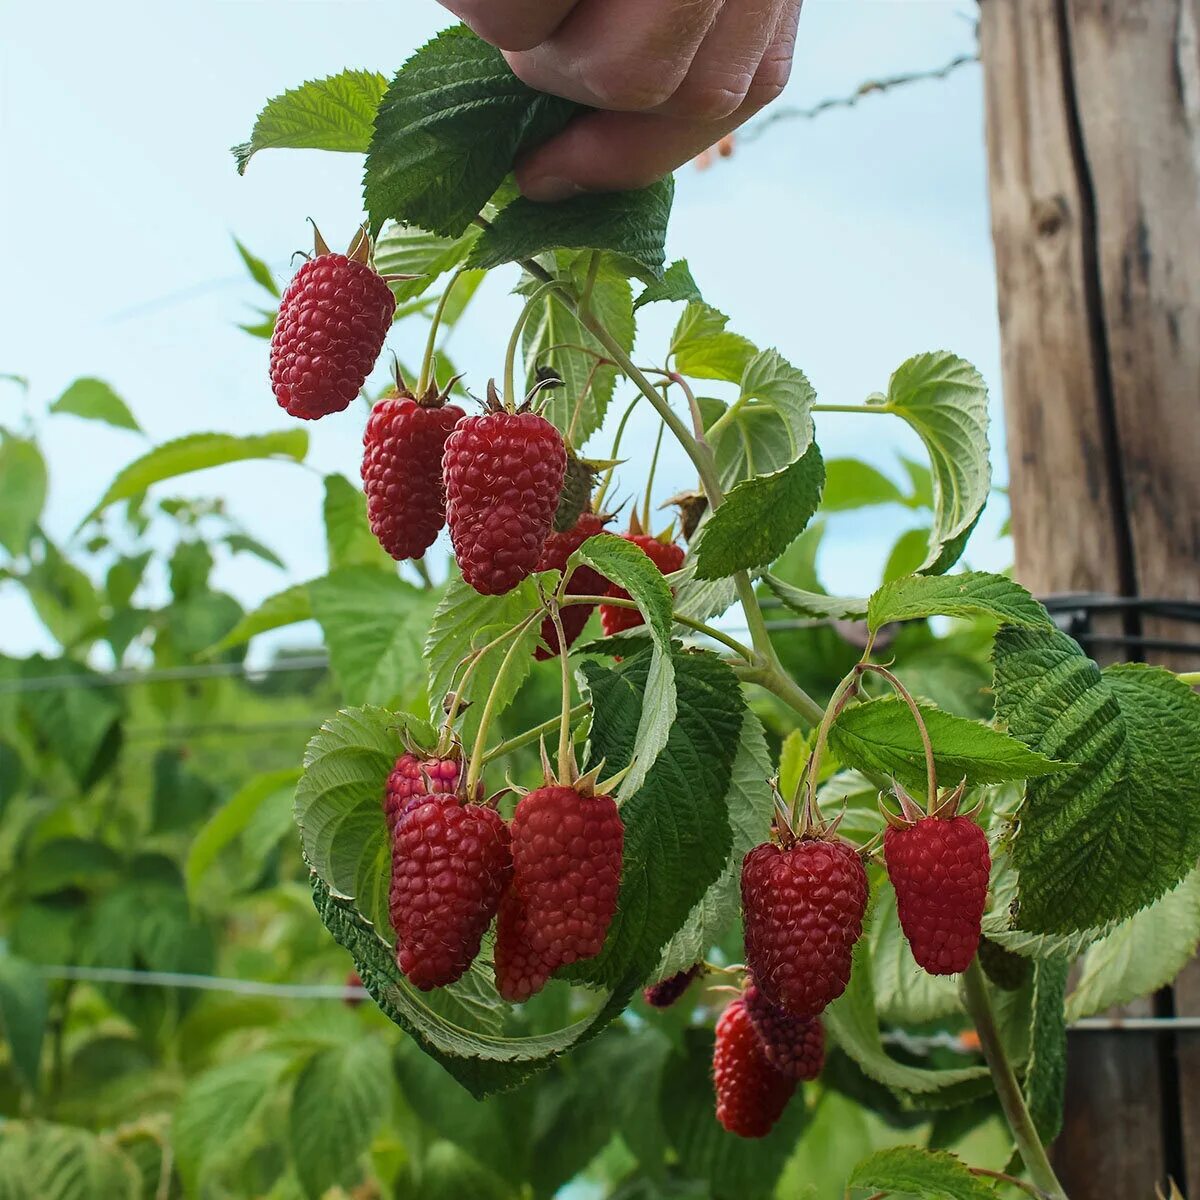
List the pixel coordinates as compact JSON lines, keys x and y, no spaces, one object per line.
{"x":94,"y":400}
{"x":675,"y":285}
{"x":944,"y":399}
{"x":971,"y":594}
{"x":448,"y":130}
{"x":881,"y":735}
{"x":816,"y":604}
{"x":631,"y":226}
{"x":1140,"y":955}
{"x":198,"y":452}
{"x":339,"y":1099}
{"x":852,"y":484}
{"x":410,"y":250}
{"x":23,"y":1007}
{"x":760,"y":518}
{"x":283,"y":608}
{"x":1046,"y":1073}
{"x":373,"y":623}
{"x":1102,"y":841}
{"x":705,"y":349}
{"x":335,"y":113}
{"x":929,"y":1174}
{"x":348,"y":536}
{"x":22,"y":491}
{"x":904,"y":994}
{"x":41,"y":1161}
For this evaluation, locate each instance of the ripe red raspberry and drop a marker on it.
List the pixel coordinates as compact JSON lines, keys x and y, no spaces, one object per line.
{"x":584,"y":582}
{"x":665,"y":992}
{"x":939,"y":867}
{"x":416,"y":778}
{"x":567,"y":869}
{"x":332,"y":322}
{"x":521,"y":971}
{"x":666,"y":556}
{"x":402,"y":471}
{"x":803,"y":910}
{"x":751,"y":1094}
{"x":450,"y":863}
{"x":503,"y":472}
{"x":793,"y":1047}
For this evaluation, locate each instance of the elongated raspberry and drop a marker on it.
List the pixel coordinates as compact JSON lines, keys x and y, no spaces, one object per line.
{"x":666,"y":556}
{"x":793,"y":1047}
{"x":665,"y":992}
{"x":521,"y":971}
{"x":751,"y":1094}
{"x":332,"y":322}
{"x":402,"y":472}
{"x":803,"y":910}
{"x":503,"y":473}
{"x":584,"y":582}
{"x":416,"y":778}
{"x":939,"y":867}
{"x":567,"y":869}
{"x":450,"y":863}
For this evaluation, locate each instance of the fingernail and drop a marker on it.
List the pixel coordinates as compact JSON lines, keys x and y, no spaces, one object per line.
{"x":549,"y":189}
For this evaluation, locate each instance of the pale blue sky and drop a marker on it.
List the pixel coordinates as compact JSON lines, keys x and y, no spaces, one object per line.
{"x":849,"y":242}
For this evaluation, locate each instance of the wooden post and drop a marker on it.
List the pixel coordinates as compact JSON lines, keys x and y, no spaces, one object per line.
{"x":1093,"y":125}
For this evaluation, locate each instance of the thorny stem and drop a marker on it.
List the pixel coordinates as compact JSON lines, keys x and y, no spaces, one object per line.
{"x":510,"y":356}
{"x":423,"y":379}
{"x":1008,"y":1090}
{"x":531,"y":735}
{"x":566,"y":764}
{"x":718,"y":635}
{"x":650,"y":476}
{"x":906,"y":696}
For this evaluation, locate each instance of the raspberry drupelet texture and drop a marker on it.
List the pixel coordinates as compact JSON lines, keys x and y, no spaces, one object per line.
{"x":667,"y":991}
{"x":450,"y":863}
{"x":939,"y":867}
{"x":567,"y":869}
{"x":417,"y":778}
{"x":793,"y":1047}
{"x":584,"y":582}
{"x":521,"y":971}
{"x":803,"y":910}
{"x":666,"y":556}
{"x":751,"y":1094}
{"x":503,"y":474}
{"x":402,"y":472}
{"x":331,"y":326}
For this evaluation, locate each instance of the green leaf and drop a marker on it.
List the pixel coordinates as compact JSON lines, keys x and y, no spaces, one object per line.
{"x":904,"y":994}
{"x":629,"y":567}
{"x":760,"y":518}
{"x":410,"y":250}
{"x":63,"y":596}
{"x":243,"y":543}
{"x":197,"y":452}
{"x":751,"y":807}
{"x":94,"y":400}
{"x":448,"y":130}
{"x":340,"y":1098}
{"x":851,"y":484}
{"x":23,"y":1006}
{"x":1046,"y":1074}
{"x":373,"y":623}
{"x":40,"y":1161}
{"x":881,"y":735}
{"x":929,"y":1174}
{"x":907,"y":554}
{"x":123,"y":578}
{"x":283,"y":608}
{"x":816,"y":604}
{"x":22,"y":491}
{"x":705,"y":349}
{"x":80,"y":724}
{"x":1140,"y":955}
{"x":258,"y":270}
{"x":229,"y":821}
{"x":676,"y":284}
{"x":632,"y":226}
{"x":944,"y":399}
{"x":1106,"y":839}
{"x":677,"y":824}
{"x":335,"y":113}
{"x":348,"y":536}
{"x":971,"y":594}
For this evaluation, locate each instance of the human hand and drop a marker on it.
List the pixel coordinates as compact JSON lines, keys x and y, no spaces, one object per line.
{"x":669,"y":78}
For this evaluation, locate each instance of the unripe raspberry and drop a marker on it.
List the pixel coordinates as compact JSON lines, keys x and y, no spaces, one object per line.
{"x":939,"y":867}
{"x":667,"y":991}
{"x":450,"y":863}
{"x":584,"y":582}
{"x":666,"y":556}
{"x":793,"y":1047}
{"x":416,"y":778}
{"x":1002,"y":966}
{"x":803,"y":910}
{"x":576,"y":493}
{"x":402,"y":472}
{"x":333,"y":319}
{"x":751,"y":1094}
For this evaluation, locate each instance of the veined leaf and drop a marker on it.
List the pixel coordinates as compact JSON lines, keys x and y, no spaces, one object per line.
{"x":23,"y":1007}
{"x":904,"y":994}
{"x":816,"y":604}
{"x":971,"y":594}
{"x":94,"y":400}
{"x":705,"y":349}
{"x":348,"y":536}
{"x":283,"y":608}
{"x":675,"y":285}
{"x":410,"y":250}
{"x":852,"y":484}
{"x":930,"y":1174}
{"x":1046,"y":1074}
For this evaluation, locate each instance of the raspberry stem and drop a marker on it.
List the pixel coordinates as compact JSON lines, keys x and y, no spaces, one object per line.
{"x":598,"y":502}
{"x":426,"y":373}
{"x":653,"y":470}
{"x":531,"y":735}
{"x":906,"y":696}
{"x":566,"y":758}
{"x":510,"y":356}
{"x":718,"y":635}
{"x":841,"y":697}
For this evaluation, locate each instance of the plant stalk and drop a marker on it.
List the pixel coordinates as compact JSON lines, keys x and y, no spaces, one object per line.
{"x":531,"y":735}
{"x":906,"y":696}
{"x":427,"y":372}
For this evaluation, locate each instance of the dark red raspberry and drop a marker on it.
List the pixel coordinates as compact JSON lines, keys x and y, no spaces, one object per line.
{"x":665,"y":992}
{"x":666,"y":556}
{"x":793,"y":1047}
{"x":415,"y":777}
{"x":402,"y":471}
{"x":567,"y":869}
{"x":503,"y":472}
{"x":939,"y":867}
{"x":751,"y":1094}
{"x":450,"y":863}
{"x":584,"y":582}
{"x":521,"y":971}
{"x":332,"y":322}
{"x":803,"y":910}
